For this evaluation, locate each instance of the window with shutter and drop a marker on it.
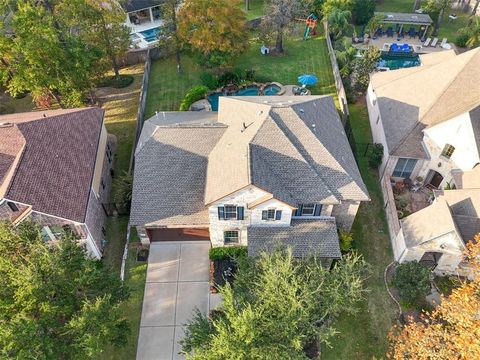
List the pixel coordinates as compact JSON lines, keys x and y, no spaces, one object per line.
{"x":221,"y":213}
{"x":230,"y":212}
{"x":264,"y":215}
{"x":240,"y":212}
{"x":278,"y":215}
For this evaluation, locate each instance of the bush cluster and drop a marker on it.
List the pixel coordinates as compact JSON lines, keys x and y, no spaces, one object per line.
{"x":222,"y":253}
{"x":346,"y":240}
{"x":118,"y":83}
{"x":376,"y":156}
{"x":194,"y":94}
{"x":412,"y":280}
{"x":234,"y":76}
{"x":461,"y":39}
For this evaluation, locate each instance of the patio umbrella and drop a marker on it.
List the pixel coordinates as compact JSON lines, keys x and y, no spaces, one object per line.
{"x":307,"y":79}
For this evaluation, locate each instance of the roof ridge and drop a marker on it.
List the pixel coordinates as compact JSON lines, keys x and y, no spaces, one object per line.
{"x":302,"y":154}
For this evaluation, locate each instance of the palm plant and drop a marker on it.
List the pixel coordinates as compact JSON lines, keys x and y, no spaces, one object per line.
{"x":338,"y":21}
{"x":346,"y":58}
{"x":473,"y":33}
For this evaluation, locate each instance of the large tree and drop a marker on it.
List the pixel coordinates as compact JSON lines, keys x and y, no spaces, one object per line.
{"x":55,"y":301}
{"x":214,"y":29}
{"x":339,"y":22}
{"x":169,"y":36}
{"x":452,"y":330}
{"x":438,"y":7}
{"x":279,"y":18}
{"x":277,"y":306}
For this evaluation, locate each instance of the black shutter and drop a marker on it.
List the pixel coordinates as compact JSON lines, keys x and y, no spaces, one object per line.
{"x":264,"y":215}
{"x":278,"y":215}
{"x":298,"y":212}
{"x":318,"y":210}
{"x":239,"y":212}
{"x":221,"y":213}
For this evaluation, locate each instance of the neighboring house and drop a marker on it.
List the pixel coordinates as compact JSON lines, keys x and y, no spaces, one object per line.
{"x":56,"y":168}
{"x":143,"y":18}
{"x":263,"y":172}
{"x":428,"y":120}
{"x":437,"y":234}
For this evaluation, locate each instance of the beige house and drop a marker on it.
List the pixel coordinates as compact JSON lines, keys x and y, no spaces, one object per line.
{"x":428,"y":120}
{"x":56,"y":169}
{"x":262,"y":172}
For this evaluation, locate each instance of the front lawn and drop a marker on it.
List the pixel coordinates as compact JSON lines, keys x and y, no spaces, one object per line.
{"x":167,"y":88}
{"x":448,"y":28}
{"x":364,"y":335}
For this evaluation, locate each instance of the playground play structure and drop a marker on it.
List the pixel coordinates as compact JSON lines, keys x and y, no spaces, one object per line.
{"x":311,"y":24}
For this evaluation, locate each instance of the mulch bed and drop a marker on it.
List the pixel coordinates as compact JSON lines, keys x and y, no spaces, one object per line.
{"x":221,"y":271}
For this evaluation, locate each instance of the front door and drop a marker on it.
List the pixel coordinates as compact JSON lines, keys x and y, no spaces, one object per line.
{"x":434,"y":179}
{"x":430,"y":259}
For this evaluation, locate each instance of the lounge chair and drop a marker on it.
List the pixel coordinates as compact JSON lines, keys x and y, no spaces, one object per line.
{"x":434,"y":42}
{"x":427,"y":42}
{"x":444,"y":41}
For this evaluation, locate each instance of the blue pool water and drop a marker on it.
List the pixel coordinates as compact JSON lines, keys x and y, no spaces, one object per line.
{"x":150,"y":35}
{"x":398,"y":62}
{"x":247,"y":91}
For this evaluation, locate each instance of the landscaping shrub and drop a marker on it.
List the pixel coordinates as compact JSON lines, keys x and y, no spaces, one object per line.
{"x":221,"y":253}
{"x":346,"y":240}
{"x":363,"y":11}
{"x":376,"y":156}
{"x":123,"y":192}
{"x":194,"y":94}
{"x":209,"y":80}
{"x":120,"y":82}
{"x":234,"y":76}
{"x":412,"y":281}
{"x":6,"y":109}
{"x":461,"y":39}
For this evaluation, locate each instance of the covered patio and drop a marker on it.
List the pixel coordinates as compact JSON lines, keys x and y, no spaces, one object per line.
{"x":401,"y":25}
{"x":142,"y":14}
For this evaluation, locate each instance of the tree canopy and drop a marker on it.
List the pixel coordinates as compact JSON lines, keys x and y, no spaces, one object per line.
{"x":452,"y":330}
{"x":214,"y":29}
{"x":277,"y":306}
{"x":55,"y":301}
{"x":59,"y":48}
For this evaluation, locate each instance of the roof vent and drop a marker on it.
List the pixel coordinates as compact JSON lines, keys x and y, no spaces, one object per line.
{"x":301,"y":111}
{"x":313,"y":127}
{"x":5,"y":124}
{"x":260,"y":112}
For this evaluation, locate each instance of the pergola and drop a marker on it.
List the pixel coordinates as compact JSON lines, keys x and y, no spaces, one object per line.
{"x":401,"y":19}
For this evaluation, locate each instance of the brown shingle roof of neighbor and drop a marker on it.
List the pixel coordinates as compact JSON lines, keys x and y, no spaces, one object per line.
{"x":55,"y":171}
{"x":411,"y":100}
{"x":304,"y":237}
{"x":293,"y":147}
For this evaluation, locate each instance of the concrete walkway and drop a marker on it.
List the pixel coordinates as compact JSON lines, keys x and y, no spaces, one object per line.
{"x":177,"y":283}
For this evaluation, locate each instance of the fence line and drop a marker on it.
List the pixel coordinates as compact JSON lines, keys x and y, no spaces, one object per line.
{"x":141,"y":106}
{"x":342,"y":95}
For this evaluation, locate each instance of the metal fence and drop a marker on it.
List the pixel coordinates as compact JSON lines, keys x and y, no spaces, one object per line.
{"x":342,"y":95}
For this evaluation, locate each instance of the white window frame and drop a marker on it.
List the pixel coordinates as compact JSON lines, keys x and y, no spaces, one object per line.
{"x":308,"y":206}
{"x":448,"y":151}
{"x":402,"y":172}
{"x":230,"y":215}
{"x":231,"y":237}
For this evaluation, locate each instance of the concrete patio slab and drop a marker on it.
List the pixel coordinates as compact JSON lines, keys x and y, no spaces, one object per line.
{"x":155,"y":343}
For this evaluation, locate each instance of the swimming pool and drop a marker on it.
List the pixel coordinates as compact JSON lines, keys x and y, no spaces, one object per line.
{"x":398,"y":62}
{"x":252,"y":90}
{"x":150,"y":35}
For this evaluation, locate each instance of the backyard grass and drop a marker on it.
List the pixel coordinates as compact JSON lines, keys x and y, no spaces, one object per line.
{"x":364,"y":336}
{"x":121,"y":107}
{"x":167,"y":88}
{"x":255,"y":8}
{"x":448,"y":28}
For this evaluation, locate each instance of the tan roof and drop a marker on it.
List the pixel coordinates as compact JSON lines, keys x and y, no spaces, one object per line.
{"x":467,"y":179}
{"x":436,"y":57}
{"x":11,"y":148}
{"x":427,"y":224}
{"x":413,"y":99}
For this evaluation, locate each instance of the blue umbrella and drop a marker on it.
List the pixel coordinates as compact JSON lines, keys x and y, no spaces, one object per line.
{"x":307,"y":79}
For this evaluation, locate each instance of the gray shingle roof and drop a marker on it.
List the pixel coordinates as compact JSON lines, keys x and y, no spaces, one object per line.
{"x":413,"y":99}
{"x":405,"y":18}
{"x":305,"y":237}
{"x":134,"y":5}
{"x":169,"y":176}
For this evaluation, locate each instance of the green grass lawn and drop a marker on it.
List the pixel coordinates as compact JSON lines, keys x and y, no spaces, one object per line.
{"x":448,"y":28}
{"x":255,"y":9}
{"x":167,"y":88}
{"x":364,"y":336}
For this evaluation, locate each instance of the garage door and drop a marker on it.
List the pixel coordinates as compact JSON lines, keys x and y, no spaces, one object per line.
{"x":187,"y":234}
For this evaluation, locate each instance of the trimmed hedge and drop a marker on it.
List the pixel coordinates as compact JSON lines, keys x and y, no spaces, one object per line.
{"x":194,"y":94}
{"x":228,"y":252}
{"x":112,"y":81}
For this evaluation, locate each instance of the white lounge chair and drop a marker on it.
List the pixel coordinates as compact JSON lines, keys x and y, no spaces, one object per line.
{"x":434,"y":42}
{"x":427,"y":42}
{"x":444,"y":41}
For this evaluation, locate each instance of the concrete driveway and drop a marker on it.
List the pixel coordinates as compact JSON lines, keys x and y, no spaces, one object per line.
{"x":177,"y":282}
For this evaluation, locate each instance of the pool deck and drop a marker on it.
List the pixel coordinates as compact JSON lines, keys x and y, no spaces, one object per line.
{"x":417,"y":45}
